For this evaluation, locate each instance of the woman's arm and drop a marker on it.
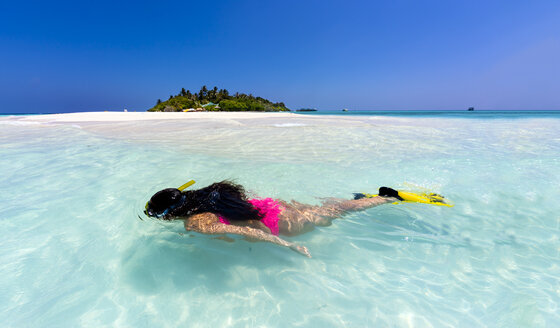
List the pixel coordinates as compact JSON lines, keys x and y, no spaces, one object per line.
{"x":257,"y":235}
{"x":207,"y":223}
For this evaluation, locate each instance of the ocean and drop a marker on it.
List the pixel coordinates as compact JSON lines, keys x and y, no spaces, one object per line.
{"x":77,"y":250}
{"x":481,"y":114}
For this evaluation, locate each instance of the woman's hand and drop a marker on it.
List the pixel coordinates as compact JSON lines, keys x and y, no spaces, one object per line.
{"x":300,"y":249}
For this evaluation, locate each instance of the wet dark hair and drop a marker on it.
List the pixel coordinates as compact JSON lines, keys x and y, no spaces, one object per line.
{"x":223,"y":198}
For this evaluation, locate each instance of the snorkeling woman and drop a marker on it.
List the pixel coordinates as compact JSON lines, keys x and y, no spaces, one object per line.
{"x":223,"y":208}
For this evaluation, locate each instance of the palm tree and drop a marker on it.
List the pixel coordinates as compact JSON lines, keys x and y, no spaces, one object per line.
{"x":203,"y":92}
{"x":224,"y":93}
{"x":212,"y":94}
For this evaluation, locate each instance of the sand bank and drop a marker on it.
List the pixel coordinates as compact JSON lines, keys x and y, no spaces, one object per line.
{"x":143,"y":116}
{"x":145,"y":124}
{"x":157,"y":121}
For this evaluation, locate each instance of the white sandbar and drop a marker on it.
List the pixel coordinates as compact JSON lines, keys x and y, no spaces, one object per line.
{"x":142,"y":116}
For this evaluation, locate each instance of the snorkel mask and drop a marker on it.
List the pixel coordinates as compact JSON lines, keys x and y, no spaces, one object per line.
{"x":166,"y":200}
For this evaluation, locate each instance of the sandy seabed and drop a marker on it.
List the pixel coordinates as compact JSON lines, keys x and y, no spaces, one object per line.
{"x":75,"y":252}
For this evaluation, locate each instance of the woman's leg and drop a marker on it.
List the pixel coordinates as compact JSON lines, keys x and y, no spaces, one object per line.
{"x":338,"y":207}
{"x":298,"y":218}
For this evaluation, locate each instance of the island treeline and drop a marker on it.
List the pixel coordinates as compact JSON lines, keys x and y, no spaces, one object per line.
{"x":216,"y":100}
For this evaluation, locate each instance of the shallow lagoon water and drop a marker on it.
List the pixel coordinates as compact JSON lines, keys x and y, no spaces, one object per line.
{"x":76,"y":250}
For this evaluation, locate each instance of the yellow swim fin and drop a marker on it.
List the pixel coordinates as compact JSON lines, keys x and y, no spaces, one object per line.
{"x":431,"y":198}
{"x":407,"y":196}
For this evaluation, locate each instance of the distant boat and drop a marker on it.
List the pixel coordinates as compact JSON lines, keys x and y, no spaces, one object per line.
{"x":470,"y":109}
{"x":345,"y":109}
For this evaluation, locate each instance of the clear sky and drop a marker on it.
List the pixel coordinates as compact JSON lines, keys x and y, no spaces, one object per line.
{"x":394,"y":54}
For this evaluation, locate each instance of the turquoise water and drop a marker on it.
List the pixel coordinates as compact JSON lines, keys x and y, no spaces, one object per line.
{"x":481,"y":114}
{"x":76,"y":250}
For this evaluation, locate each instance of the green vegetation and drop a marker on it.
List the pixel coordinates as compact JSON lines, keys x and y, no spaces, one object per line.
{"x":216,"y":100}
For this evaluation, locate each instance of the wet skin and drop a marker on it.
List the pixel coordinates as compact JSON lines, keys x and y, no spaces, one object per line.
{"x":295,"y":219}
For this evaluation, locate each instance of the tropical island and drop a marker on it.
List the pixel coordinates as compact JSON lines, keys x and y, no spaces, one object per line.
{"x":216,"y":100}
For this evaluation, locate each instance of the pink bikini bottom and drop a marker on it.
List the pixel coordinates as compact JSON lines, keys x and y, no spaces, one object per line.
{"x":270,"y":210}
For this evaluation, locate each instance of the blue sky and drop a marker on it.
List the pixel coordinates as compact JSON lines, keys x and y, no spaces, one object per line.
{"x":108,"y":55}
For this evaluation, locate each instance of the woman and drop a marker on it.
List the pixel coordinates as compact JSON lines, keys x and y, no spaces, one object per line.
{"x":223,"y":208}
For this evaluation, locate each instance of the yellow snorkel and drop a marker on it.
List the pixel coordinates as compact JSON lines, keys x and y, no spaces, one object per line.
{"x":186,"y":185}
{"x":181,"y":188}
